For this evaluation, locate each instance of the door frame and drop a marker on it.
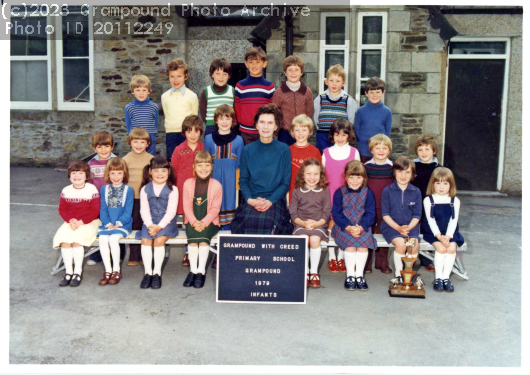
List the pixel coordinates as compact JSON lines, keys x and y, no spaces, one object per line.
{"x":504,"y":103}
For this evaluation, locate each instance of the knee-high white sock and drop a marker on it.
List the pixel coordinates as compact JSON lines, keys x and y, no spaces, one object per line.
{"x":331,"y":253}
{"x":340,"y":255}
{"x":68,"y":260}
{"x":314,"y":255}
{"x":439,"y":260}
{"x":398,"y":263}
{"x":193,"y":255}
{"x":104,"y":250}
{"x":147,"y":257}
{"x":448,"y":265}
{"x":79,"y":254}
{"x":160,"y":253}
{"x":203,"y":258}
{"x":350,"y":259}
{"x":360,"y":263}
{"x":114,"y":243}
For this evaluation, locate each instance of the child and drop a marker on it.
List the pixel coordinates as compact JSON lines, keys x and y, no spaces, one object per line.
{"x":372,"y":118}
{"x":293,"y":97}
{"x":380,"y":175}
{"x":178,"y":102}
{"x":79,"y":208}
{"x":183,"y":157}
{"x":440,"y":225}
{"x":334,"y":160}
{"x":117,"y":201}
{"x":401,"y":211}
{"x":216,"y":94}
{"x":136,"y":160}
{"x":310,"y":210}
{"x":202,"y":203}
{"x":331,"y":105}
{"x":159,"y":199}
{"x":426,"y":149}
{"x":354,"y":213}
{"x":301,"y":129}
{"x":251,"y":93}
{"x":142,"y":112}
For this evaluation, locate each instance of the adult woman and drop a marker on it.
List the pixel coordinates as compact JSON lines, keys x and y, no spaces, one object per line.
{"x":265,"y":175}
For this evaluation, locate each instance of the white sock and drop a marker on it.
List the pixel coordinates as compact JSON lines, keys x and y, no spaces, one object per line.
{"x":104,"y":250}
{"x":160,"y":253}
{"x":203,"y":258}
{"x":78,"y":254}
{"x":315,"y":259}
{"x":68,"y":260}
{"x":147,"y":257}
{"x":114,"y":242}
{"x":331,"y":252}
{"x":341,"y":254}
{"x":193,"y":255}
{"x":439,"y":260}
{"x":360,"y":263}
{"x":448,"y":265}
{"x":350,"y":259}
{"x":398,"y":263}
{"x":308,"y":257}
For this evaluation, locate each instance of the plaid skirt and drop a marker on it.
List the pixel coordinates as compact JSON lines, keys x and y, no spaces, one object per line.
{"x":276,"y":220}
{"x":345,"y":239}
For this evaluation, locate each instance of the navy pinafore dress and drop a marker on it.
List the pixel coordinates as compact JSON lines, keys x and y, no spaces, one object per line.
{"x":158,"y":208}
{"x":442,"y":213}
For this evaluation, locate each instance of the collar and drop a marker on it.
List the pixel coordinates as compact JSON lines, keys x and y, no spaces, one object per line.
{"x":372,"y":161}
{"x":285,"y":89}
{"x":142,"y":102}
{"x":308,"y":190}
{"x":395,"y":186}
{"x":97,"y":156}
{"x":434,"y":160}
{"x":335,"y":98}
{"x":182,"y":90}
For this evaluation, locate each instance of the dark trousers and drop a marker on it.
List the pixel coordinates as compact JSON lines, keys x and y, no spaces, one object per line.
{"x":381,"y":253}
{"x":152,"y":146}
{"x":323,"y":141}
{"x":172,"y":142}
{"x":364,"y":159}
{"x":135,"y":254}
{"x":285,"y":137}
{"x":249,"y":138}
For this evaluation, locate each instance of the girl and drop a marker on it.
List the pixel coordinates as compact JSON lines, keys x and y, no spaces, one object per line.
{"x":183,"y":156}
{"x":334,"y":160}
{"x":354,"y":213}
{"x":158,"y":206}
{"x":310,"y":210}
{"x":401,"y":211}
{"x":117,"y":200}
{"x":440,"y":225}
{"x":202,"y":202}
{"x":79,"y":208}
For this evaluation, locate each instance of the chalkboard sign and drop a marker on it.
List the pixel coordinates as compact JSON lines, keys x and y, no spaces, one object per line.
{"x":261,"y":269}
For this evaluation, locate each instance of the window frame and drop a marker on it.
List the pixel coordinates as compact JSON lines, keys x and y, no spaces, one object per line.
{"x":335,"y":47}
{"x":361,"y":47}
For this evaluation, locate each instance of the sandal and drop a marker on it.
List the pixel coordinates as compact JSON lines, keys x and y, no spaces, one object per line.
{"x":105,"y":279}
{"x":66,"y":280}
{"x":115,"y":277}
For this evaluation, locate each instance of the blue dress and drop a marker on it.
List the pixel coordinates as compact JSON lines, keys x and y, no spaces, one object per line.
{"x":402,"y":206}
{"x":116,"y":206}
{"x":442,"y":213}
{"x":158,"y":207}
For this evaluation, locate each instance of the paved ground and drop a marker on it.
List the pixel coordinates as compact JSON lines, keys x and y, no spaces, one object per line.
{"x":478,"y":325}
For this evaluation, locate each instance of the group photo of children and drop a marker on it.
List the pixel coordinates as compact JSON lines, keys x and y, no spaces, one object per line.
{"x":239,"y":160}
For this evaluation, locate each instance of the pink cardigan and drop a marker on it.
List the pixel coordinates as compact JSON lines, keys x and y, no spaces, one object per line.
{"x":214,"y":196}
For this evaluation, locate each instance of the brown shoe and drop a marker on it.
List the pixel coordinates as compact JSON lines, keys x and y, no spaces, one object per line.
{"x":430,"y":267}
{"x":315,"y":281}
{"x":132,"y":263}
{"x":384,"y":269}
{"x":105,"y":279}
{"x":185,"y":261}
{"x":342,"y":265}
{"x":115,"y":278}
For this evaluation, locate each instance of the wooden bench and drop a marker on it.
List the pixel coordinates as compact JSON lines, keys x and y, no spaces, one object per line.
{"x":426,"y":249}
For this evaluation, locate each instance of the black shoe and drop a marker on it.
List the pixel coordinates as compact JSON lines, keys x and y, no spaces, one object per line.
{"x":190,"y":280}
{"x":157,"y":282}
{"x":199,"y":281}
{"x":75,"y":280}
{"x":146,"y":282}
{"x":66,"y":281}
{"x":350,"y":283}
{"x":361,"y":283}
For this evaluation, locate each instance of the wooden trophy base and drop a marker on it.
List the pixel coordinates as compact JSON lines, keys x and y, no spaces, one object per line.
{"x":402,"y":291}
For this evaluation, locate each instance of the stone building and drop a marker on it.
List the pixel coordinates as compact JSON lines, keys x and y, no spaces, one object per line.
{"x":453,"y":72}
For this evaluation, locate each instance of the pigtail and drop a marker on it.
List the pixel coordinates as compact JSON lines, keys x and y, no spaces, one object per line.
{"x":172,"y":178}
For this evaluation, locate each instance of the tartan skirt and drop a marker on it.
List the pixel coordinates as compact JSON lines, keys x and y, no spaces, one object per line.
{"x":276,"y":220}
{"x":345,"y":239}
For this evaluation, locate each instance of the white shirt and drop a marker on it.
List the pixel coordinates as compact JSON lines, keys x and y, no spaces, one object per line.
{"x":441,"y":199}
{"x":340,"y":153}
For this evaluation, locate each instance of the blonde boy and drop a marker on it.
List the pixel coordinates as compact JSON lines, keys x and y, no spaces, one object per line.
{"x":332,"y":104}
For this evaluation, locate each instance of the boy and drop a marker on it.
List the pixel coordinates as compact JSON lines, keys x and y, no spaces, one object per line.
{"x":426,"y":149}
{"x":142,"y":112}
{"x":251,"y":93}
{"x":380,"y":175}
{"x":136,"y":160}
{"x":332,"y":104}
{"x":372,"y":118}
{"x":216,"y":94}
{"x":293,"y":97}
{"x":178,"y":102}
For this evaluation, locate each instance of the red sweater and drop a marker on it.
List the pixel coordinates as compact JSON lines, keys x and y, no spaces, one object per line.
{"x":80,"y":204}
{"x":293,"y":103}
{"x":298,"y":156}
{"x":182,"y":161}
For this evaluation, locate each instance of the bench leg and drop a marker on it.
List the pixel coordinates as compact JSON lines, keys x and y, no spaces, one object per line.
{"x":458,"y":267}
{"x":213,"y":250}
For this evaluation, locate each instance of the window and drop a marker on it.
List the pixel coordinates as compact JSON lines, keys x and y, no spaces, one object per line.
{"x":334,"y":43}
{"x":31,"y":57}
{"x":371,"y":50}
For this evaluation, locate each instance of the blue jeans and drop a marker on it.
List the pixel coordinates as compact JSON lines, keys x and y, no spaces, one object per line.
{"x":152,"y":146}
{"x":285,"y":137}
{"x":323,"y":141}
{"x":172,"y":142}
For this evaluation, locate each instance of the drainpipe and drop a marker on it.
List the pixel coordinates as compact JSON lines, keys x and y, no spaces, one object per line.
{"x":289,"y":35}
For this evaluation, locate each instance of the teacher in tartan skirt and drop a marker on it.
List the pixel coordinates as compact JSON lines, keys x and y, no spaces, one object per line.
{"x":265,"y":176}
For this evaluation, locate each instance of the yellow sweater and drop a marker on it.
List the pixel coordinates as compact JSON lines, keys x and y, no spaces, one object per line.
{"x":176,"y":107}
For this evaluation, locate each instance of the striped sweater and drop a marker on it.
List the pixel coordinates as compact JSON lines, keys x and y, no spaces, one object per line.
{"x":211,"y":98}
{"x":250,"y":94}
{"x":143,"y":114}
